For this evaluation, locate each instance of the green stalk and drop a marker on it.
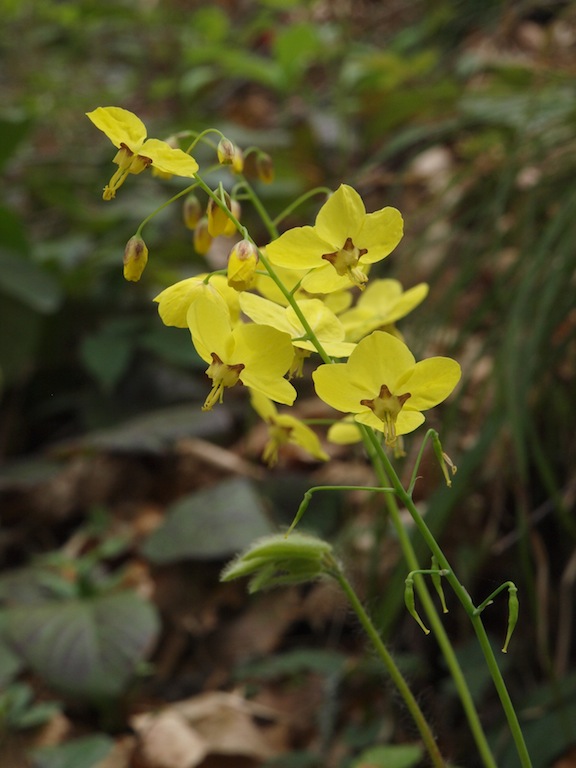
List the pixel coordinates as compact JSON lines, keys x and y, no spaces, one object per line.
{"x":390,"y":665}
{"x":268,"y":266}
{"x":389,"y":476}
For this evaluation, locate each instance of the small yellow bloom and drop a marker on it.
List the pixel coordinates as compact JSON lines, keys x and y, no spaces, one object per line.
{"x":381,"y":304}
{"x":175,"y":301}
{"x":384,"y":387}
{"x":242,"y":263}
{"x":255,"y":355}
{"x":135,"y":151}
{"x":283,"y":429}
{"x":322,"y":321}
{"x":135,"y":258}
{"x":341,"y":245}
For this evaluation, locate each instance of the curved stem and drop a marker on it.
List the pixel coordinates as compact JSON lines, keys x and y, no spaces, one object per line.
{"x":390,"y":664}
{"x":262,"y":212}
{"x":268,"y":266}
{"x":302,"y":199}
{"x":389,"y":477}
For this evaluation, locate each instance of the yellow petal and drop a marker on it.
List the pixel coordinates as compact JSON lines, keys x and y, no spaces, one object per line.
{"x":120,"y":125}
{"x":263,"y":406}
{"x":334,"y":384}
{"x":174,"y":301}
{"x":430,"y":382}
{"x":380,"y":234}
{"x":167,"y":159}
{"x":298,"y":248}
{"x":340,"y":217}
{"x":211,"y":331}
{"x":381,"y":359}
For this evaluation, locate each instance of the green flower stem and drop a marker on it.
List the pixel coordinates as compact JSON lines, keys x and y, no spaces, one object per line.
{"x":397,"y":677}
{"x":308,"y":498}
{"x":262,"y":212}
{"x":164,"y":205}
{"x":268,"y":266}
{"x":389,"y":477}
{"x":302,"y":199}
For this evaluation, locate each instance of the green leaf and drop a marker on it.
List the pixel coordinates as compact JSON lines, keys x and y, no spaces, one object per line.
{"x":213,"y":523}
{"x":20,"y":278}
{"x":401,"y":756}
{"x":87,"y":648}
{"x":107,"y":357}
{"x":85,"y":752}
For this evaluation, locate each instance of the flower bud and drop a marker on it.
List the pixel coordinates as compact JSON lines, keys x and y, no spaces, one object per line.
{"x":238,"y":160}
{"x":218,"y":221}
{"x":135,"y":258}
{"x":225,"y":151}
{"x":217,"y":218}
{"x":242,"y":264}
{"x":202,"y":237}
{"x":191,"y":211}
{"x":265,"y":168}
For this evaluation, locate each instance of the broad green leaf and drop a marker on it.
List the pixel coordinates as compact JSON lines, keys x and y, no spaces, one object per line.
{"x":400,"y":756}
{"x":213,"y":523}
{"x":107,"y":357}
{"x":87,"y":648}
{"x":85,"y":752}
{"x":21,"y":279}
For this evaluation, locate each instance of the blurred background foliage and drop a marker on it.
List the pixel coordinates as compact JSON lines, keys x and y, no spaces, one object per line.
{"x":461,"y":114}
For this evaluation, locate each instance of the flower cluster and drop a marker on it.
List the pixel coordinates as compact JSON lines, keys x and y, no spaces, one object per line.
{"x":303,"y":298}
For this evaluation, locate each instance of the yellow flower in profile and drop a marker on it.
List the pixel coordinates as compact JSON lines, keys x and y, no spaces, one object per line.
{"x":135,"y":151}
{"x":341,"y":245}
{"x":255,"y":355}
{"x":175,"y":301}
{"x":381,"y":304}
{"x":384,"y":387}
{"x":283,"y":429}
{"x":322,"y":321}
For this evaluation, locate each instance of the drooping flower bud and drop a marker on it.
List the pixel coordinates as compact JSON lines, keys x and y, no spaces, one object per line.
{"x":217,"y":218}
{"x":225,"y":151}
{"x":242,"y":264}
{"x":202,"y":237}
{"x":218,"y":221}
{"x":238,"y":160}
{"x":265,"y":167}
{"x":191,"y":211}
{"x":135,"y":258}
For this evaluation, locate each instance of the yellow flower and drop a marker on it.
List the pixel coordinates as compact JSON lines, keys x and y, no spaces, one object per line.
{"x":323,"y":322}
{"x":341,"y":245}
{"x":382,"y":303}
{"x":255,"y":355}
{"x":282,"y":429}
{"x":384,"y":387}
{"x":135,"y":151}
{"x":175,"y":301}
